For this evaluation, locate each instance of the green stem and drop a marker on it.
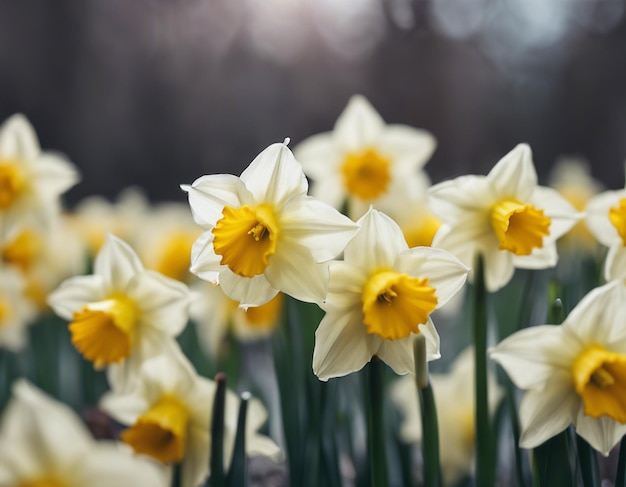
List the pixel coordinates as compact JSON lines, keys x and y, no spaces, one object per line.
{"x":376,"y":423}
{"x":589,"y":467}
{"x":551,"y":463}
{"x":238,"y":473}
{"x":217,"y":478}
{"x":485,"y":468}
{"x":620,"y":477}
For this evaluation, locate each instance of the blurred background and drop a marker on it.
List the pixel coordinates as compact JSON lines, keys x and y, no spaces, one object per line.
{"x":157,"y":93}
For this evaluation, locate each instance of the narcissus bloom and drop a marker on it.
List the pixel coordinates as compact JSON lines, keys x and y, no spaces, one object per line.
{"x":122,"y":313}
{"x":505,"y":216}
{"x":572,"y":373}
{"x":43,"y":443}
{"x":455,"y":401}
{"x":379,"y":296}
{"x":169,"y":415}
{"x":31,"y":181}
{"x":363,"y":160}
{"x":263,"y":234}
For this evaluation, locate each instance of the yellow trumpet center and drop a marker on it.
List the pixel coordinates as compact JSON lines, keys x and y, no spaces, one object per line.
{"x":600,"y":380}
{"x":24,"y":250}
{"x":161,"y":431}
{"x":42,"y":482}
{"x":519,"y":227}
{"x":366,"y":174}
{"x":12,"y":183}
{"x":395,"y":304}
{"x":617,"y":217}
{"x":246,"y":238}
{"x":175,"y":255}
{"x":422,"y":230}
{"x":103,"y":331}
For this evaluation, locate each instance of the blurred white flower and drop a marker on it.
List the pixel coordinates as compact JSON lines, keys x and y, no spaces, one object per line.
{"x":364,"y":161}
{"x":505,"y":216}
{"x":379,"y":296}
{"x":263,"y":234}
{"x":122,"y":313}
{"x":169,"y":415}
{"x":31,"y":181}
{"x":44,"y":443}
{"x":455,"y":402}
{"x":16,"y":310}
{"x":572,"y":373}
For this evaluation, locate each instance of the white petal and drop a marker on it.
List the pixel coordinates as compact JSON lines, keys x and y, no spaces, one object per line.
{"x":499,"y":268}
{"x":408,"y":147}
{"x":598,"y":216}
{"x":318,"y":155}
{"x":330,"y":191}
{"x":164,"y":302}
{"x":18,"y":139}
{"x":545,"y":413}
{"x":275,"y":175}
{"x":117,"y":263}
{"x":429,"y":332}
{"x":345,"y":287}
{"x":170,"y":372}
{"x":452,"y":201}
{"x":55,"y":175}
{"x":294,"y":271}
{"x":208,"y":195}
{"x":195,"y":466}
{"x":358,"y":126}
{"x":398,"y":354}
{"x":615,"y":263}
{"x":601,"y":433}
{"x":540,"y":258}
{"x":562,"y":214}
{"x":532,"y":355}
{"x":247,"y":291}
{"x":514,"y":176}
{"x":342,"y":345}
{"x":317,"y":226}
{"x":457,"y":240}
{"x":124,"y":408}
{"x":205,"y":263}
{"x":377,"y":243}
{"x":76,"y":292}
{"x":445,"y":272}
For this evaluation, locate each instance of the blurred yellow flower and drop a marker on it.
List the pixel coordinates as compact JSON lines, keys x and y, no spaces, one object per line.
{"x":17,"y":311}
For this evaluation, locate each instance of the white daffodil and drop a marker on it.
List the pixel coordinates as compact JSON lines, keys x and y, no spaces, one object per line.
{"x":31,"y":181}
{"x":364,"y":161}
{"x":122,"y":313}
{"x":215,"y":314}
{"x":44,"y":443}
{"x":505,"y":216}
{"x":16,"y":310}
{"x":455,"y":402}
{"x":169,"y":416}
{"x":606,"y":219}
{"x":263,"y":234}
{"x":572,"y":179}
{"x":572,"y":373}
{"x":379,"y":296}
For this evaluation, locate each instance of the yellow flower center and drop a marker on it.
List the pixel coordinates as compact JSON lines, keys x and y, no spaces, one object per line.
{"x":24,"y":250}
{"x":175,"y":255}
{"x":42,"y":482}
{"x":161,"y":431}
{"x":600,"y":379}
{"x":617,"y":216}
{"x":265,"y":317}
{"x":103,"y":331}
{"x":246,"y":238}
{"x":395,"y":304}
{"x":422,"y":230}
{"x":366,"y":174}
{"x":11,"y":183}
{"x":519,"y":227}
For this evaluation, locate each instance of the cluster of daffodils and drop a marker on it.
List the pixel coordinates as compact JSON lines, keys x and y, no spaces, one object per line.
{"x":150,"y":295}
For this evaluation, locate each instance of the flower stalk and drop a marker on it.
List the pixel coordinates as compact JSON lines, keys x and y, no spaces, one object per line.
{"x":376,"y":423}
{"x":218,"y":478}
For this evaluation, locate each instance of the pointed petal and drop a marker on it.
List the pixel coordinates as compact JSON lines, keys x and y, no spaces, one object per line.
{"x":398,"y":354}
{"x":615,"y":263}
{"x":18,"y":139}
{"x":247,"y":291}
{"x":76,"y":292}
{"x":532,"y":355}
{"x":342,"y":345}
{"x":317,"y":226}
{"x":540,"y":258}
{"x":318,"y":155}
{"x":209,"y":194}
{"x":499,"y":268}
{"x":358,"y":126}
{"x":545,"y":413}
{"x":445,"y":272}
{"x":55,"y":175}
{"x":514,"y":176}
{"x":562,"y":214}
{"x":275,"y":175}
{"x":598,"y":216}
{"x":345,"y":287}
{"x":117,"y":263}
{"x":377,"y":243}
{"x":601,"y":433}
{"x":453,"y":201}
{"x":408,"y":147}
{"x":205,"y":263}
{"x":124,"y":408}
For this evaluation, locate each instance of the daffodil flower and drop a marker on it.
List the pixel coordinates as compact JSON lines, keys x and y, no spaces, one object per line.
{"x":16,"y":310}
{"x":505,"y":216}
{"x":572,"y":373}
{"x":455,"y":402}
{"x":606,"y":219}
{"x":263,"y":234}
{"x":169,"y":414}
{"x":43,"y":443}
{"x":379,"y":296}
{"x":122,"y":313}
{"x":31,"y":181}
{"x":363,"y":160}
